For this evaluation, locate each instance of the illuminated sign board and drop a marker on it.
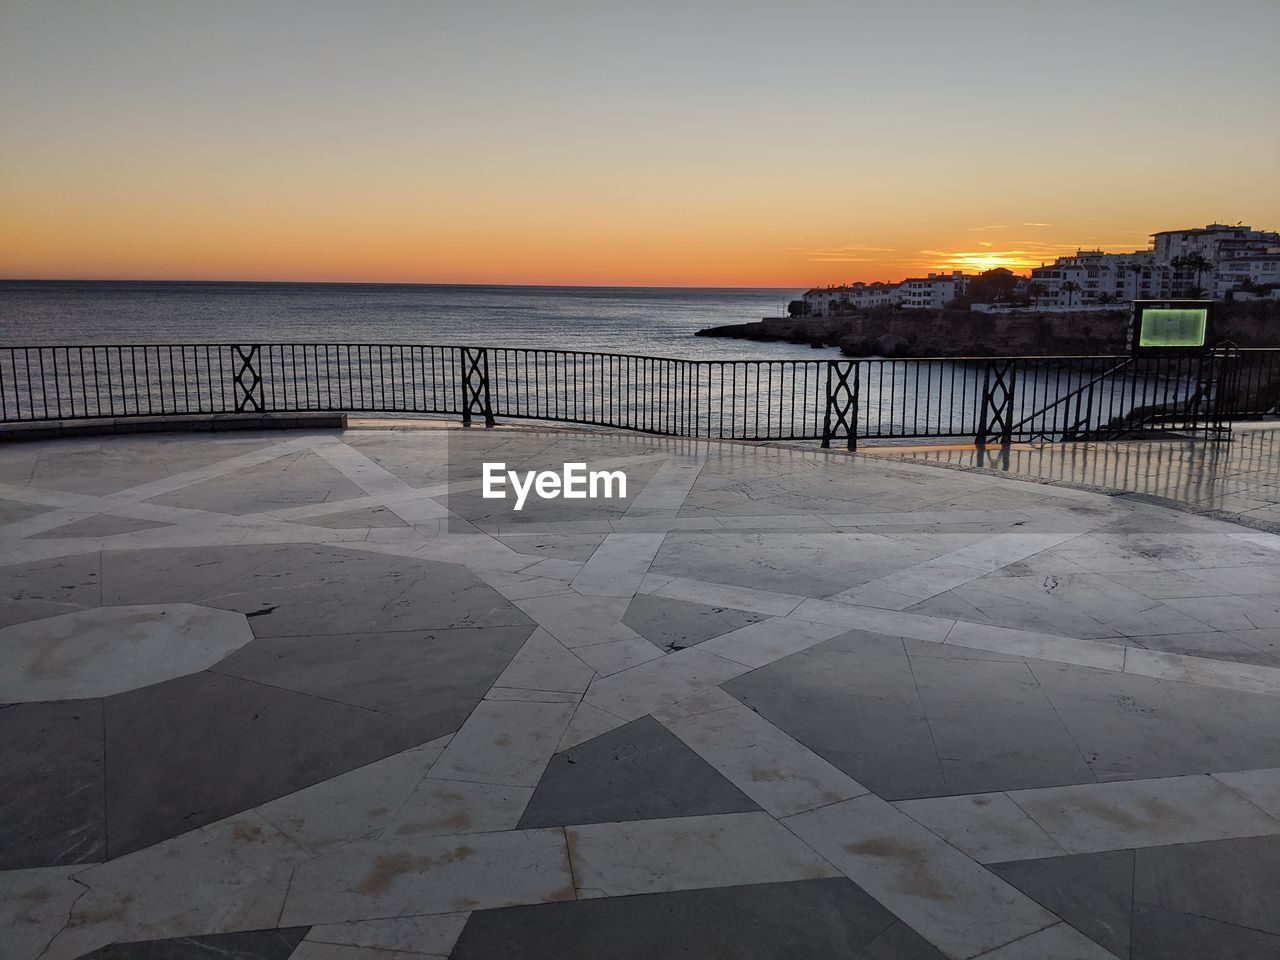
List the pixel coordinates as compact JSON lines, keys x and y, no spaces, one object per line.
{"x":1171,"y":326}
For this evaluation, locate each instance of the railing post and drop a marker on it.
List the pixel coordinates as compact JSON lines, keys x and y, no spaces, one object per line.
{"x":247,"y":379}
{"x":475,"y":385}
{"x":996,"y":416}
{"x":842,"y":403}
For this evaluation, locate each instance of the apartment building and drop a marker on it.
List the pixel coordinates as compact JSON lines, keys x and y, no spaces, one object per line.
{"x":824,"y":301}
{"x":932,"y":292}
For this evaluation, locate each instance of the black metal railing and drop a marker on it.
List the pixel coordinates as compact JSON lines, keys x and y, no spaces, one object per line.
{"x":1000,"y":399}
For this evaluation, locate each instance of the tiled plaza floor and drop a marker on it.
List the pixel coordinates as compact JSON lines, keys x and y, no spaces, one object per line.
{"x":311,"y":696}
{"x":1237,"y":480}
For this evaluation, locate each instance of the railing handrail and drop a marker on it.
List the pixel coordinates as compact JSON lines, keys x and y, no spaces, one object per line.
{"x":992,"y":399}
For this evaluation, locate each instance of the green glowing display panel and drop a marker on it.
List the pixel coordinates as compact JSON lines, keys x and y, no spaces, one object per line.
{"x":1171,"y":326}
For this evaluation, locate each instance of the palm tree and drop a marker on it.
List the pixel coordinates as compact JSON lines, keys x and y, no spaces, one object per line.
{"x":1136,"y":270}
{"x":1037,"y":290}
{"x":1197,"y":263}
{"x":1190,"y":263}
{"x":1070,"y":288}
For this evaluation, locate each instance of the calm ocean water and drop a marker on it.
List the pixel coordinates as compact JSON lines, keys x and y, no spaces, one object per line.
{"x":651,"y":321}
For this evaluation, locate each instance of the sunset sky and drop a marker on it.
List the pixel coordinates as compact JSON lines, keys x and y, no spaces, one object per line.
{"x":649,"y":143}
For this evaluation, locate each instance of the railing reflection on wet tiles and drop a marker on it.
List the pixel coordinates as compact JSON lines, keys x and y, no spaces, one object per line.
{"x":997,"y":399}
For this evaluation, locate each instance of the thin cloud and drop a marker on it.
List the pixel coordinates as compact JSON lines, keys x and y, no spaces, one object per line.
{"x":842,"y":254}
{"x":993,"y":226}
{"x":1037,"y":224}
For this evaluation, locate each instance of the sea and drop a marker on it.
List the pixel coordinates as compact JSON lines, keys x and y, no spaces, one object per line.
{"x":651,"y":321}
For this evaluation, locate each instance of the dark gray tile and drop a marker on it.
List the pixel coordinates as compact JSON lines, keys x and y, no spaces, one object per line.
{"x":11,"y":511}
{"x":676,"y":624}
{"x":51,"y":784}
{"x":290,"y":480}
{"x":1235,"y":881}
{"x":372,"y":517}
{"x":182,"y":574}
{"x":993,"y":727}
{"x":1160,"y":934}
{"x":309,"y":591}
{"x":189,"y":751}
{"x":48,"y":588}
{"x":562,"y":546}
{"x":804,"y":920}
{"x":103,"y":525}
{"x":853,"y":701}
{"x":640,"y":771}
{"x":1093,"y":892}
{"x":435,"y":676}
{"x":247,"y":945}
{"x":1131,"y":727}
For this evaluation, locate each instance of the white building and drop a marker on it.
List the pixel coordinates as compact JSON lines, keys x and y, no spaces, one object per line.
{"x":1246,"y":268}
{"x":1217,"y":244}
{"x":1091,"y":276}
{"x":932,"y":292}
{"x":824,"y":301}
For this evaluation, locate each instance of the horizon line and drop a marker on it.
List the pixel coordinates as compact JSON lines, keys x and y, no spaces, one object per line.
{"x":406,"y":283}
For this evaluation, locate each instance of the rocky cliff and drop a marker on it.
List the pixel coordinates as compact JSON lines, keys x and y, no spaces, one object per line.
{"x":955,"y":333}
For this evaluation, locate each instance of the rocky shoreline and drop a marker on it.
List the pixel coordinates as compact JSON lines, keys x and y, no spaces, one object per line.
{"x":961,"y":333}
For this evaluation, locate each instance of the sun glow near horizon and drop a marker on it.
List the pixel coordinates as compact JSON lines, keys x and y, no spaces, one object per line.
{"x":705,"y":144}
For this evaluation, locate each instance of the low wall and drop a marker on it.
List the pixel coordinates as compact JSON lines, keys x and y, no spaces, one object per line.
{"x":206,"y":423}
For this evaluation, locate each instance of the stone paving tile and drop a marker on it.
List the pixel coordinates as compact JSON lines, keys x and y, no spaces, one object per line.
{"x":408,"y":876}
{"x":1170,"y":935}
{"x":254,"y":743}
{"x":226,"y":876}
{"x":954,"y":903}
{"x":47,"y":588}
{"x":1142,"y":813}
{"x":762,"y":643}
{"x":1060,"y":940}
{"x":51,"y":784}
{"x":565,"y":546}
{"x":353,"y":804}
{"x":578,"y":621}
{"x":673,"y":624}
{"x":1135,"y":727}
{"x":654,"y":685}
{"x":432,"y":936}
{"x":1093,"y":892}
{"x":505,"y":742}
{"x":544,"y":663}
{"x":618,"y":565}
{"x":588,"y":722}
{"x":34,"y":905}
{"x":811,"y":918}
{"x":767,"y":765}
{"x":725,"y":595}
{"x":438,"y":807}
{"x":685,"y":853}
{"x":98,"y":652}
{"x":639,"y":771}
{"x":1234,"y":881}
{"x":853,"y":701}
{"x":435,"y":677}
{"x":247,"y":945}
{"x":989,"y":827}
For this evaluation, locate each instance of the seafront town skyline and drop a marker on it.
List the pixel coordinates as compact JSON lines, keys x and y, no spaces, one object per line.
{"x":1216,"y":261}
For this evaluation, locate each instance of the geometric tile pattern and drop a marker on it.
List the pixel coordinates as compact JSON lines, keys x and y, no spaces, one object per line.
{"x":1216,"y":898}
{"x":637,"y":772}
{"x":771,"y":700}
{"x":808,"y":918}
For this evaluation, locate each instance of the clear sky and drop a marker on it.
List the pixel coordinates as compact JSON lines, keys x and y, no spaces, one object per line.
{"x":645,"y":142}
